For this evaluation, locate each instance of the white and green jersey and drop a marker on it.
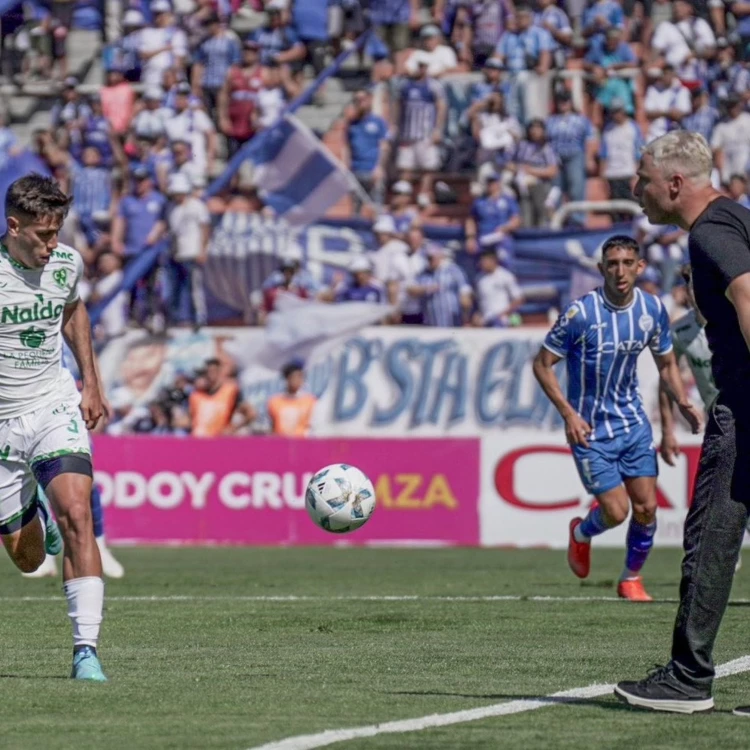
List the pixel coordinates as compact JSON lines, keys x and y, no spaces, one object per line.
{"x":689,"y":338}
{"x":32,"y":301}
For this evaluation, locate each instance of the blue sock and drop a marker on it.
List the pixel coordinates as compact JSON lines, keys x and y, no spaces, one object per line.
{"x":97,"y":513}
{"x":594,"y":523}
{"x":639,"y":542}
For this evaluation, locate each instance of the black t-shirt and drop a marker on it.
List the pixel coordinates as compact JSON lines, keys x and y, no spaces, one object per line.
{"x":719,"y":245}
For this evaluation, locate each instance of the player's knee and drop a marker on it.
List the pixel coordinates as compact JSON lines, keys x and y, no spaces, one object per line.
{"x":616,"y":515}
{"x":644,"y":512}
{"x":29,"y":559}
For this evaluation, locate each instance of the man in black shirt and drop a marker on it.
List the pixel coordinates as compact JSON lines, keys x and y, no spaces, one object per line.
{"x":674,"y":187}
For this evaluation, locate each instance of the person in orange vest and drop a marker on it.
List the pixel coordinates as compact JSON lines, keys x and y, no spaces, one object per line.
{"x":291,"y":412}
{"x":213,"y":402}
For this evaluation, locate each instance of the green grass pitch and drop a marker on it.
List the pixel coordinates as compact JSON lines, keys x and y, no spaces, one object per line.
{"x":214,"y":670}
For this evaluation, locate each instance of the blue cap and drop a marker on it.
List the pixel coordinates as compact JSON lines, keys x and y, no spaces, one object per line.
{"x":139,"y":172}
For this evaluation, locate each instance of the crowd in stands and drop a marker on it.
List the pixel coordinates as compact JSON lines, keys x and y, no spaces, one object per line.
{"x":486,"y":88}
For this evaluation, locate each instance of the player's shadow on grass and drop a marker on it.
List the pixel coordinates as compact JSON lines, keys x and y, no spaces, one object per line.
{"x":33,"y":677}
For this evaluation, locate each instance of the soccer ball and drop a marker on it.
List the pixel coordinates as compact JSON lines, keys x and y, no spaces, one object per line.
{"x":340,"y":498}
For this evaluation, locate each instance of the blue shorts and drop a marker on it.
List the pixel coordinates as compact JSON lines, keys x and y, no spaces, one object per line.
{"x":606,"y":463}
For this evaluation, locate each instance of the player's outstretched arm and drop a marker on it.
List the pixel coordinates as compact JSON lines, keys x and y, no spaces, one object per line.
{"x":577,"y":429}
{"x":77,"y":332}
{"x":669,"y":375}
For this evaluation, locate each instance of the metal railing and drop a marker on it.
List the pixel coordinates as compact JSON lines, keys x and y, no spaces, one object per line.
{"x":601,"y":207}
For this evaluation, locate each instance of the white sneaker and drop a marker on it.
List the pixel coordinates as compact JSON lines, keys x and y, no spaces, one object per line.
{"x":110,"y":567}
{"x":47,"y":568}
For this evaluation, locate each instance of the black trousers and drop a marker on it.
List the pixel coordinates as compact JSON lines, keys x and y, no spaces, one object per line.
{"x":714,"y":529}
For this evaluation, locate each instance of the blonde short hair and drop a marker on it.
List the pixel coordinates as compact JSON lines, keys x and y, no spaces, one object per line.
{"x":683,"y":152}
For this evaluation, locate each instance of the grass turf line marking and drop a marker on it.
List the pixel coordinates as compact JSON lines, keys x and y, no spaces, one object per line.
{"x":332,"y":736}
{"x":385,"y":598}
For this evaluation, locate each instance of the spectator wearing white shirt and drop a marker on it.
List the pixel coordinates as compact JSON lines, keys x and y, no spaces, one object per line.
{"x":193,"y":125}
{"x":731,"y":141}
{"x":182,"y":164}
{"x":439,"y":58}
{"x":498,"y":294}
{"x":685,"y":43}
{"x":388,"y":247}
{"x":114,"y":318}
{"x":620,"y":151}
{"x":151,"y":121}
{"x":162,"y":45}
{"x":667,"y":102}
{"x":189,"y":228}
{"x":405,"y":268}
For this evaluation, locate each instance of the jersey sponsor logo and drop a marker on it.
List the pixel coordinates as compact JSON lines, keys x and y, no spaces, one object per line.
{"x":39,"y":311}
{"x":62,"y":255}
{"x":645,"y":323}
{"x":32,"y":337}
{"x":698,"y":362}
{"x":60,"y":277}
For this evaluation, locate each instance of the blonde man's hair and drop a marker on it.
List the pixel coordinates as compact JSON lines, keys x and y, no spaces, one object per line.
{"x":682,"y":152}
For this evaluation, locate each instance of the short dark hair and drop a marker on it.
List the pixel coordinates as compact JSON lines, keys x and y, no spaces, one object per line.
{"x":36,"y":197}
{"x":621,"y":240}
{"x":213,"y":362}
{"x":296,"y":365}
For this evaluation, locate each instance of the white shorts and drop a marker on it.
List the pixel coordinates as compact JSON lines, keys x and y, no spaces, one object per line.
{"x":26,"y":442}
{"x":423,"y":155}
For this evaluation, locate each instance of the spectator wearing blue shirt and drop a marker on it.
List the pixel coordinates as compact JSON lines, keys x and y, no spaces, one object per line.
{"x":69,"y":115}
{"x":443,"y":291}
{"x":493,"y":219}
{"x":140,"y":220}
{"x":92,"y":190}
{"x":601,"y":16}
{"x":608,"y":54}
{"x":402,"y":209}
{"x":703,"y":118}
{"x":571,"y":136}
{"x":279,"y":43}
{"x":535,"y":165}
{"x":363,"y":286}
{"x":212,"y":60}
{"x":367,"y":146}
{"x":525,"y":50}
{"x":310,"y":20}
{"x":392,"y":20}
{"x":556,"y":22}
{"x":98,"y":132}
{"x":741,"y":11}
{"x":139,"y":224}
{"x":123,"y":55}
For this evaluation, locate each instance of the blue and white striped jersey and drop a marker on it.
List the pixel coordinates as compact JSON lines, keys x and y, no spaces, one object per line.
{"x":601,"y":344}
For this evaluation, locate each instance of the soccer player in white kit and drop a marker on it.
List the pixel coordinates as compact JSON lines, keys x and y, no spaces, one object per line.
{"x":43,"y":418}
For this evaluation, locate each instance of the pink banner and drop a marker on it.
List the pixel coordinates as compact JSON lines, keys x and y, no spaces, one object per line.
{"x":161,"y":490}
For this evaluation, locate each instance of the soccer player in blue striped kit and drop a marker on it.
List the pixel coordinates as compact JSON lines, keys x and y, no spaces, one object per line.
{"x":601,"y":336}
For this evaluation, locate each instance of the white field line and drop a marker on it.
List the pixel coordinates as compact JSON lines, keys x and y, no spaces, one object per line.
{"x":332,"y":736}
{"x":291,"y":598}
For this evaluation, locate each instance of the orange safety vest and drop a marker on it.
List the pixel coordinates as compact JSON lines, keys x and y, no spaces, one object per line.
{"x":291,"y":415}
{"x":211,"y":412}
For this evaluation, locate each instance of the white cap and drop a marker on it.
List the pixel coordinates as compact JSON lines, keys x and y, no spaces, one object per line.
{"x":360,"y":263}
{"x":161,"y":6}
{"x":385,"y":224}
{"x":402,"y":187}
{"x":133,"y":17}
{"x":178,"y":184}
{"x":154,"y":93}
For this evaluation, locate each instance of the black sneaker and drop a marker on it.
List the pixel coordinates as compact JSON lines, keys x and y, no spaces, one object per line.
{"x":662,"y":691}
{"x":742,"y":711}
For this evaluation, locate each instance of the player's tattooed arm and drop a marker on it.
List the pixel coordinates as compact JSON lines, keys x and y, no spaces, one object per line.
{"x":77,"y":332}
{"x":671,"y":380}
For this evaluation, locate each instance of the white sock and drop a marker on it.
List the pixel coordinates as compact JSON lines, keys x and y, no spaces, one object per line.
{"x":85,"y":604}
{"x":578,"y":536}
{"x":628,"y":575}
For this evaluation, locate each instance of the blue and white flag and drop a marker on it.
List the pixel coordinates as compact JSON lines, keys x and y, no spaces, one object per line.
{"x":296,"y":175}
